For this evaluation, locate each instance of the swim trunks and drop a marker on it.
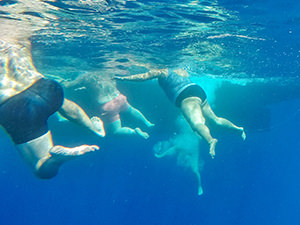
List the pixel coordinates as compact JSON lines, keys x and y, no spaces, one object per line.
{"x":24,"y":116}
{"x":178,"y":88}
{"x":191,"y":91}
{"x":174,"y":84}
{"x":110,"y":110}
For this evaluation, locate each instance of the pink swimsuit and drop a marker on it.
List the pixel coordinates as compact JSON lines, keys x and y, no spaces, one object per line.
{"x":110,"y":110}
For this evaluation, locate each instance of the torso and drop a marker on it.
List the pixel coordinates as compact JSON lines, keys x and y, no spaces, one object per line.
{"x":17,"y":71}
{"x":107,"y":91}
{"x":174,"y":83}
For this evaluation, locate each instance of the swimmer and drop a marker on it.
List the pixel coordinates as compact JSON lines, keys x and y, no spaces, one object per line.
{"x":110,"y":103}
{"x":191,"y":99}
{"x":27,"y":99}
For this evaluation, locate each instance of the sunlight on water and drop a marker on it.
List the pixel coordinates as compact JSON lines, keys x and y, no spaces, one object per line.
{"x":245,"y":55}
{"x":163,"y":35}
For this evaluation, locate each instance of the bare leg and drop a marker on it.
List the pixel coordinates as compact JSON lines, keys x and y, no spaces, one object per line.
{"x":46,"y":159}
{"x":48,"y":167}
{"x":210,"y":115}
{"x":75,"y":113}
{"x":189,"y":157}
{"x":117,"y":129}
{"x":200,"y":189}
{"x":139,"y":116}
{"x":192,"y":112}
{"x":141,"y":133}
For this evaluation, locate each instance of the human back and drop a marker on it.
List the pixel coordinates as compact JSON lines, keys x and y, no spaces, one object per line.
{"x":174,"y":82}
{"x":17,"y":72}
{"x":107,"y":90}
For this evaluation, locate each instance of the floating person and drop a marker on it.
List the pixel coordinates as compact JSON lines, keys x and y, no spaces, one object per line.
{"x":190,"y":98}
{"x":27,"y":99}
{"x":110,"y":103}
{"x":185,"y":147}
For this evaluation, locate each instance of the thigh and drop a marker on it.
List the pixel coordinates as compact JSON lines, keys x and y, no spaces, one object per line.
{"x":208,"y":113}
{"x":124,"y":106}
{"x":192,"y":111}
{"x":112,"y":127}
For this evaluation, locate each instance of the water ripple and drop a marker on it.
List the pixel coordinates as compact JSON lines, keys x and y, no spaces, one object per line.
{"x":106,"y":34}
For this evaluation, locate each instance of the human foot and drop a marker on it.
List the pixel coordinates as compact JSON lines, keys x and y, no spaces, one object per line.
{"x":64,"y":153}
{"x":212,"y":146}
{"x":48,"y":166}
{"x":98,"y":125}
{"x":141,"y":133}
{"x":200,"y":190}
{"x":149,"y":124}
{"x":243,"y":133}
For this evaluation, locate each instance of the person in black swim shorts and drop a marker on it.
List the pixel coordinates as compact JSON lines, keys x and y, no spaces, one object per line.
{"x":27,"y":99}
{"x":190,"y":98}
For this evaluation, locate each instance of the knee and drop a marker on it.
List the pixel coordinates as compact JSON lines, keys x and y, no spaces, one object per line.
{"x":45,"y":171}
{"x":197,"y":125}
{"x":218,"y":120}
{"x":45,"y":175}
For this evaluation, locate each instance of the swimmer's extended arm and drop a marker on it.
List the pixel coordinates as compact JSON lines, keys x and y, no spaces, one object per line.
{"x":152,"y":74}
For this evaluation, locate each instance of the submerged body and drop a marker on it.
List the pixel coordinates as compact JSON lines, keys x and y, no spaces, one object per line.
{"x":190,"y":98}
{"x":110,"y":103}
{"x":27,"y":99}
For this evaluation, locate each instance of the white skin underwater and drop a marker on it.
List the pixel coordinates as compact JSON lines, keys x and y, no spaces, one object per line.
{"x":196,"y":112}
{"x":105,"y":90}
{"x":17,"y":73}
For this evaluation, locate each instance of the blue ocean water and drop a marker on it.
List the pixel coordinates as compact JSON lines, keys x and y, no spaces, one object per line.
{"x":245,"y":54}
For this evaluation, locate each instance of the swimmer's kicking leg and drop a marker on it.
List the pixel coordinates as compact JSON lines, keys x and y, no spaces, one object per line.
{"x":116,"y":129}
{"x":49,"y":166}
{"x":196,"y":165}
{"x":46,"y":159}
{"x":197,"y":173}
{"x":210,"y":115}
{"x":141,"y":133}
{"x":192,"y":112}
{"x":75,"y":113}
{"x":139,"y":116}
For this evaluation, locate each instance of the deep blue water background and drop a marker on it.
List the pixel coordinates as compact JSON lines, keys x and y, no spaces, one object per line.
{"x":251,"y":182}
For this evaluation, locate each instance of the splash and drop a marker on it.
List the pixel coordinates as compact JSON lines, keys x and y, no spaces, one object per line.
{"x":185,"y":147}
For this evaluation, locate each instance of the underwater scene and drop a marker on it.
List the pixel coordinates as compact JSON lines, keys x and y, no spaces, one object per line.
{"x":149,"y":112}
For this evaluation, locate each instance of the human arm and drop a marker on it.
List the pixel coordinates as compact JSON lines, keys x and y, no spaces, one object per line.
{"x":75,"y":113}
{"x":152,"y":74}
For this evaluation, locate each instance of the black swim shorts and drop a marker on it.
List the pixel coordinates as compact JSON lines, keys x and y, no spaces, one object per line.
{"x":191,"y":91}
{"x":24,"y":116}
